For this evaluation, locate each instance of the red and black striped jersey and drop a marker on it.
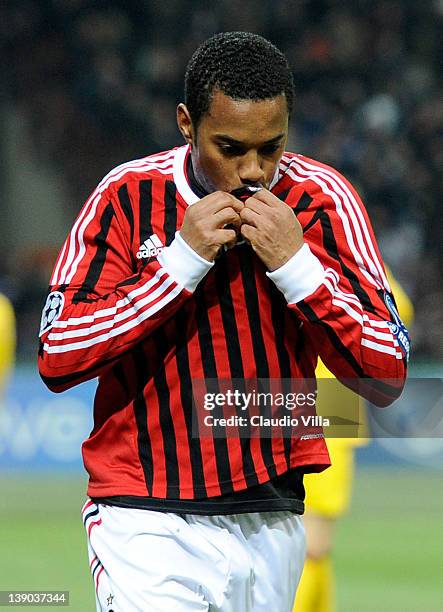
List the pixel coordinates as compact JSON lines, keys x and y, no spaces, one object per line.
{"x":116,"y":312}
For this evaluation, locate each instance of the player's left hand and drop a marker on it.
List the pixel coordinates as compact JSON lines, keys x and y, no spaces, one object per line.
{"x":271,"y":228}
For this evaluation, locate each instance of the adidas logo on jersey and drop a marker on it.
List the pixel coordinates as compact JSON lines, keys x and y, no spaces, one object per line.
{"x":150,"y":248}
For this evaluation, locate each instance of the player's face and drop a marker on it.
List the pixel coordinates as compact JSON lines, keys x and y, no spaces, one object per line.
{"x":237,"y":142}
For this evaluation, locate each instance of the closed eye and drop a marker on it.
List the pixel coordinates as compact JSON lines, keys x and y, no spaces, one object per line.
{"x":269,"y":149}
{"x":231,"y":150}
{"x":236,"y":150}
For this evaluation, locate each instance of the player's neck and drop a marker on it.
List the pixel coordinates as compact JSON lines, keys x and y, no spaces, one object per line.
{"x":196,"y":187}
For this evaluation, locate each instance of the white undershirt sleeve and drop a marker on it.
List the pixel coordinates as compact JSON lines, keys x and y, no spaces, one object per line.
{"x":299,"y":276}
{"x":183,"y":264}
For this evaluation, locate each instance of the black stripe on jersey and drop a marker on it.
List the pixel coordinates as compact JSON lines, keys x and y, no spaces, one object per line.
{"x":170,"y":212}
{"x":210,"y":371}
{"x":145,"y":210}
{"x":234,"y":352}
{"x":278,"y":307}
{"x":58,"y":381}
{"x":252,"y":306}
{"x":303,"y":203}
{"x":184,"y":374}
{"x":228,"y":317}
{"x":165,"y":417}
{"x":303,"y":361}
{"x":258,"y":344}
{"x":97,"y":263}
{"x":119,"y":373}
{"x":141,"y":418}
{"x":330,"y":245}
{"x":125,"y":204}
{"x":283,"y":195}
{"x":278,"y":313}
{"x":335,"y":340}
{"x":92,"y":513}
{"x":130,"y":281}
{"x":314,"y":219}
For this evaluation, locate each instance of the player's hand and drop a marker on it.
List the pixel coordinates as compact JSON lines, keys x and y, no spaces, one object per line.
{"x":204,"y":224}
{"x":271,"y":228}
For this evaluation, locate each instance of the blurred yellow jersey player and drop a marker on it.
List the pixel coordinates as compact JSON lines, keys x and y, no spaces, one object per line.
{"x":328,"y":494}
{"x":7,"y":340}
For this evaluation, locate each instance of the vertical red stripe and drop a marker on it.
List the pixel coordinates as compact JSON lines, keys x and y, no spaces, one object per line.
{"x":158,"y":451}
{"x":179,"y":423}
{"x":235,"y":456}
{"x":264,"y":303}
{"x":247,"y":351}
{"x":206,"y":443}
{"x":158,"y":209}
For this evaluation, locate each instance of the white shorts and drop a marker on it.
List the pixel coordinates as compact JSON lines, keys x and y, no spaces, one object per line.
{"x":148,"y":561}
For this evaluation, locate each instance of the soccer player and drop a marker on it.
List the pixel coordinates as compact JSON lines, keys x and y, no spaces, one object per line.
{"x":328,"y":494}
{"x":7,"y":339}
{"x":169,"y":277}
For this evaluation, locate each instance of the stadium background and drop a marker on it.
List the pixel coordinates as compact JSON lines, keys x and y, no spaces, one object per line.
{"x":86,"y":85}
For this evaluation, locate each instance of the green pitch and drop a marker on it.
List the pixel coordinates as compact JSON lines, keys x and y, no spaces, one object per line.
{"x":389,"y":554}
{"x":43,"y":544}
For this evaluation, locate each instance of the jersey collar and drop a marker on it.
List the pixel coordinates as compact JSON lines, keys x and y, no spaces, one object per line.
{"x":180,"y":176}
{"x":192,"y":194}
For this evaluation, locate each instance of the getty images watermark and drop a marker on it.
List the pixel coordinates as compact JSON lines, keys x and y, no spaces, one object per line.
{"x":242,"y":403}
{"x":309,"y":408}
{"x":231,"y":408}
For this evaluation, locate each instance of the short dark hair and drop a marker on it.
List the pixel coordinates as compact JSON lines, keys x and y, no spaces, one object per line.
{"x":242,"y":65}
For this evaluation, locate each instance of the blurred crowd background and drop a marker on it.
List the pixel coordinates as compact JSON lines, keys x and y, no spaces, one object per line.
{"x":87,"y":85}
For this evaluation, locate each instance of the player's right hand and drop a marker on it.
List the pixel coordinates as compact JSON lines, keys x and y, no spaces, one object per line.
{"x":204,"y":224}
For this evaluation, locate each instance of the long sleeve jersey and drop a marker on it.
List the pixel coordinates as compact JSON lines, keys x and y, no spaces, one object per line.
{"x":132,"y":304}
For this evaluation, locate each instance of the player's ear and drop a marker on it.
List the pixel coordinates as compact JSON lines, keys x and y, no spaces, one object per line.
{"x":184,"y":123}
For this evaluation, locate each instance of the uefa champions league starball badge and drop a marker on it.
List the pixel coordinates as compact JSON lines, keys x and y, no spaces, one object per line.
{"x":51,"y":310}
